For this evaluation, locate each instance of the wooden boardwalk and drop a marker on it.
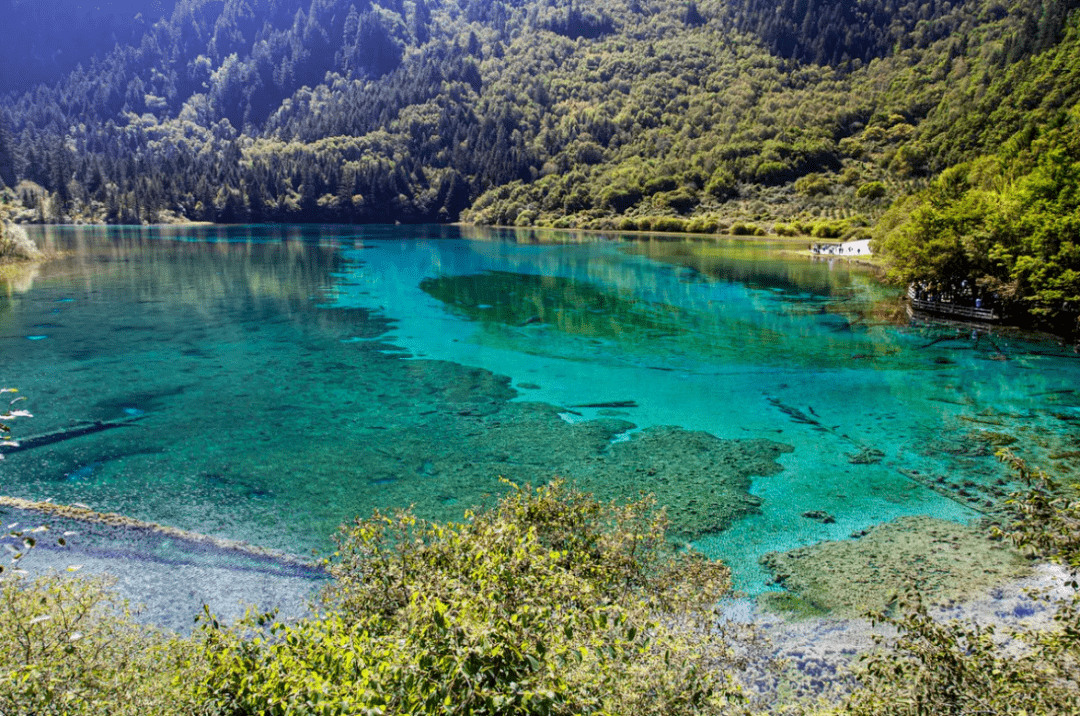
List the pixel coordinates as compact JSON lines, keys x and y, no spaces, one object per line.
{"x":945,"y":308}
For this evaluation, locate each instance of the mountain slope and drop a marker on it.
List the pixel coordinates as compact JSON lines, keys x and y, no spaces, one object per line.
{"x":615,"y":113}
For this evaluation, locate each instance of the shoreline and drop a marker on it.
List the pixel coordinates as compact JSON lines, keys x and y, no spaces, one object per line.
{"x":112,"y":538}
{"x":164,"y":573}
{"x":83,"y":514}
{"x":799,"y":658}
{"x":777,"y":238}
{"x":819,"y":654}
{"x":771,"y":237}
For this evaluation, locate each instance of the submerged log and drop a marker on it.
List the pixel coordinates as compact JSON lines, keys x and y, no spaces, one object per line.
{"x":78,"y":512}
{"x":75,"y":431}
{"x":960,"y":497}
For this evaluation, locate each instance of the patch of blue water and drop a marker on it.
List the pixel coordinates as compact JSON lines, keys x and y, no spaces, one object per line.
{"x":749,"y":346}
{"x":239,"y":346}
{"x":83,"y":473}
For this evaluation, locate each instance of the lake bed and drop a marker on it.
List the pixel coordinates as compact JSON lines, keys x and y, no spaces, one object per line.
{"x":281,"y":380}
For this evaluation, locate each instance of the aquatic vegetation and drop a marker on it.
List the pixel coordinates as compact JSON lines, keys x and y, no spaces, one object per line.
{"x":940,"y":559}
{"x":703,"y":482}
{"x":571,"y":306}
{"x":636,"y":316}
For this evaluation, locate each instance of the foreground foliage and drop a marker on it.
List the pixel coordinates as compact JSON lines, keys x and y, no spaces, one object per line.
{"x":550,"y":603}
{"x":68,"y":645}
{"x":70,"y":648}
{"x":547,"y":603}
{"x":953,"y":667}
{"x":1048,"y":519}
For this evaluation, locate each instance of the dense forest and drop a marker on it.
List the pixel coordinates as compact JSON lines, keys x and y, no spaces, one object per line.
{"x":740,"y":116}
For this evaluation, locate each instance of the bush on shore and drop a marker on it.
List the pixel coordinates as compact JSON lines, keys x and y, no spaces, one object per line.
{"x":15,"y":245}
{"x":549,"y":603}
{"x":956,"y":667}
{"x":71,"y":648}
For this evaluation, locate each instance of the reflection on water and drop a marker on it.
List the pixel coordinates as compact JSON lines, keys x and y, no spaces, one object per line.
{"x":569,"y":306}
{"x":284,"y":379}
{"x":636,"y":318}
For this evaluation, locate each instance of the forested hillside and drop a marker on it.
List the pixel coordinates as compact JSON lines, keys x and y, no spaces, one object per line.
{"x":807,"y":116}
{"x":43,"y":40}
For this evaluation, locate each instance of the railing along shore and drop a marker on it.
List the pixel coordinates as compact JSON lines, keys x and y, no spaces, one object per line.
{"x":951,"y":309}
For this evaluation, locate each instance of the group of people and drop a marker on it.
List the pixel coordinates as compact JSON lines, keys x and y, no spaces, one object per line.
{"x":857,"y":248}
{"x":966,"y":294}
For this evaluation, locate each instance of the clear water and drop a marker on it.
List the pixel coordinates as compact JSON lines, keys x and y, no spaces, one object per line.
{"x":286,"y":379}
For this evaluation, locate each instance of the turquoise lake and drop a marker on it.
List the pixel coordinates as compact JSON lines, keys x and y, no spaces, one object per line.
{"x":280,"y":380}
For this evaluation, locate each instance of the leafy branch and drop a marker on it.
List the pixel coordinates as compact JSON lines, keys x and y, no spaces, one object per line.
{"x":1048,"y":522}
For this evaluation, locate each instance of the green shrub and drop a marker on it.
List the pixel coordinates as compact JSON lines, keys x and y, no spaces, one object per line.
{"x":856,"y":233}
{"x":681,"y":200}
{"x":874,"y":134}
{"x":813,"y":185}
{"x":828,"y":230}
{"x":703,"y":225}
{"x":668,"y":223}
{"x":1047,"y":515}
{"x":785,"y":230}
{"x":772,"y":172}
{"x":550,"y":603}
{"x":871,"y":190}
{"x":70,"y":648}
{"x":722,"y":184}
{"x":619,"y":198}
{"x":956,"y":668}
{"x":740,"y":228}
{"x":659,"y":184}
{"x":852,"y":147}
{"x":851,"y":175}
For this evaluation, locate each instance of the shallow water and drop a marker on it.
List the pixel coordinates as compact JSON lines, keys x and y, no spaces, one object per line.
{"x":279,"y":380}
